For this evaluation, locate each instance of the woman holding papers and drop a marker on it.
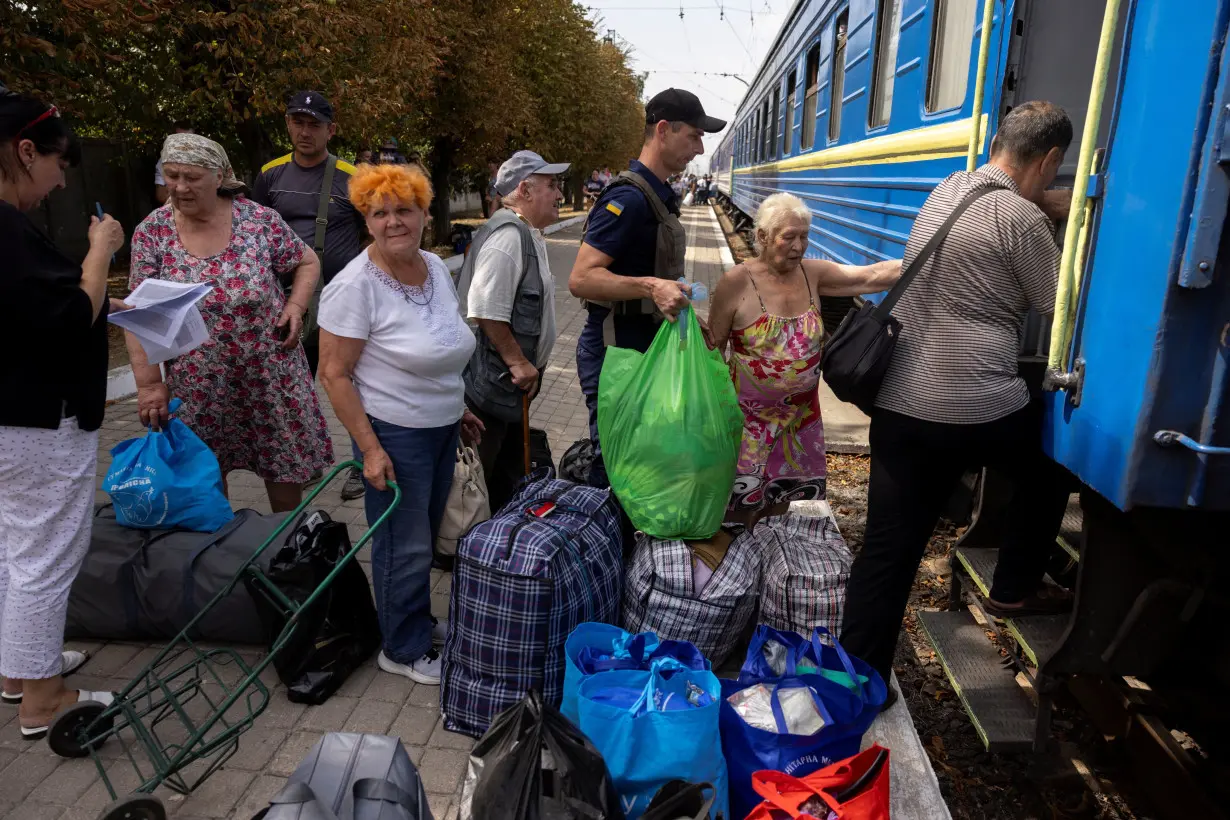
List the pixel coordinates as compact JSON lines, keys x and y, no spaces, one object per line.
{"x":247,"y":391}
{"x":53,"y":387}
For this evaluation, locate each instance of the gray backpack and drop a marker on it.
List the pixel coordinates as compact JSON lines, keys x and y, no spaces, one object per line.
{"x":351,"y":776}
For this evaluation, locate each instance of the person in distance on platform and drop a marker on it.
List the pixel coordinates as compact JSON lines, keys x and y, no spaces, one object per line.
{"x":247,"y":391}
{"x":54,"y":388}
{"x":627,"y":268}
{"x":393,"y":347}
{"x":767,"y":307}
{"x":953,"y":399}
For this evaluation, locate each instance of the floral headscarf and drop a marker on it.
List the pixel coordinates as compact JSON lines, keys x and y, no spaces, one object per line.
{"x":193,"y":149}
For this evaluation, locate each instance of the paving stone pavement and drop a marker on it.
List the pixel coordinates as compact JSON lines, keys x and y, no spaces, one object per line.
{"x":35,"y":784}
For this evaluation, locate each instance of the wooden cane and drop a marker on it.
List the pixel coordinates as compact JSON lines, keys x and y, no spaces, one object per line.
{"x":525,"y":428}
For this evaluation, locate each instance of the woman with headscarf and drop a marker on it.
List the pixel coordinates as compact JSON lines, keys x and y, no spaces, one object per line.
{"x":247,"y":391}
{"x":53,"y":388}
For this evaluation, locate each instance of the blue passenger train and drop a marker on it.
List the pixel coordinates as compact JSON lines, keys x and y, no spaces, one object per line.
{"x":863,"y":106}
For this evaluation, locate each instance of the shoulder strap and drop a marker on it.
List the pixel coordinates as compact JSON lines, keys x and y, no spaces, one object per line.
{"x":322,"y":210}
{"x":660,"y":211}
{"x":890,"y":301}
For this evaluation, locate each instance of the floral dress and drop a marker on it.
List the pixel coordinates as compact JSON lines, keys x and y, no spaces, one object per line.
{"x":775,"y":365}
{"x":252,"y":402}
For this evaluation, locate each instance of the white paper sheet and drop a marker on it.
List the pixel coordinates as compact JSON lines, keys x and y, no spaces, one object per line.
{"x":164,"y":318}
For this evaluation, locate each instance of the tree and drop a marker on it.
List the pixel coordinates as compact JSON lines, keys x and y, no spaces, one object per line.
{"x":128,"y":69}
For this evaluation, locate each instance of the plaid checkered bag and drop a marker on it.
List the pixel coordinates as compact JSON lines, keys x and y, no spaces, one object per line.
{"x":804,"y":571}
{"x":521,"y":584}
{"x":659,"y":594}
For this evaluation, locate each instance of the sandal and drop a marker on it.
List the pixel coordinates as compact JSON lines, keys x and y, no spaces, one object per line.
{"x":40,"y":732}
{"x":70,"y":661}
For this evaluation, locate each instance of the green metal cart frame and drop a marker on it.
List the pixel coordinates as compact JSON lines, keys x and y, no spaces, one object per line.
{"x":182,"y":672}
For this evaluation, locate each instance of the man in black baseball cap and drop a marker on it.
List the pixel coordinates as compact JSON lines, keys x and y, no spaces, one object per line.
{"x":634,"y":247}
{"x":677,"y":105}
{"x":310,"y":188}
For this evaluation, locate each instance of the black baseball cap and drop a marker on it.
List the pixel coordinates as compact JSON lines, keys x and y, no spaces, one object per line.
{"x":677,"y":105}
{"x":310,"y":102}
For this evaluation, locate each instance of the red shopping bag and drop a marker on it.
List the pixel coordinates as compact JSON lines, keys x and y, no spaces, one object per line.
{"x":853,"y":789}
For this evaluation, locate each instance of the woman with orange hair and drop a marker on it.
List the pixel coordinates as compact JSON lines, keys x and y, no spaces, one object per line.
{"x":393,"y":347}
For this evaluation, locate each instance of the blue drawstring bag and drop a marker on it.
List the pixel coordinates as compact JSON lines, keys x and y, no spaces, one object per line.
{"x":652,"y":729}
{"x":167,"y":479}
{"x":597,"y":647}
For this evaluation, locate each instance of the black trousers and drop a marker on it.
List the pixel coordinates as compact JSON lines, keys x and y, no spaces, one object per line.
{"x":915,"y":467}
{"x":502,"y":452}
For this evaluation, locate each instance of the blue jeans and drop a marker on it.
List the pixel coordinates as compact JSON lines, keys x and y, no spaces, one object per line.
{"x":423,"y":461}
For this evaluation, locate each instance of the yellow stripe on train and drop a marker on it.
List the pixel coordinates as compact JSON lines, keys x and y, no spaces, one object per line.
{"x":951,"y":139}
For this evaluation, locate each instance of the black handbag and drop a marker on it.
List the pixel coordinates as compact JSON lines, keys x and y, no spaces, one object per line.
{"x":859,"y":351}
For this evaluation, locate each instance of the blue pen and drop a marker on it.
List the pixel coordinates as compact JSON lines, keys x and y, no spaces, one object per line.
{"x":98,"y":211}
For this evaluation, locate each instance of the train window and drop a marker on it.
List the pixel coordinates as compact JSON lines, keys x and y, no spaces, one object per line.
{"x":838,"y":84}
{"x":757,"y":138}
{"x":767,"y":134}
{"x":777,"y":112}
{"x":888,"y":19}
{"x":788,"y":122}
{"x":952,"y":37}
{"x":809,"y":98}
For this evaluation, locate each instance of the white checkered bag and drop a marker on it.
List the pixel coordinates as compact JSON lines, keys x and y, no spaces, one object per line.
{"x":659,"y":594}
{"x":805,"y":567}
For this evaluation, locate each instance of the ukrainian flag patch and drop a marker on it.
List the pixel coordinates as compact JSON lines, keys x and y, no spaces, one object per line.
{"x":615,"y":208}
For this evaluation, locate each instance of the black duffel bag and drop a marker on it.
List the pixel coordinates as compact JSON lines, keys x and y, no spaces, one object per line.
{"x":859,"y":352}
{"x":149,"y":584}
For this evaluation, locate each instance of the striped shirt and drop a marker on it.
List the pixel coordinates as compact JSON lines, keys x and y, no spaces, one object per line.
{"x":962,"y":316}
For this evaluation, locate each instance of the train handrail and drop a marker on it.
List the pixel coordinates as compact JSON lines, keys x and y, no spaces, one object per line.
{"x":1057,"y":377}
{"x":980,"y":83}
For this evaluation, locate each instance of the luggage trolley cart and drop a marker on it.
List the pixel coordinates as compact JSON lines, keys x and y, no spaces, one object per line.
{"x":189,"y":705}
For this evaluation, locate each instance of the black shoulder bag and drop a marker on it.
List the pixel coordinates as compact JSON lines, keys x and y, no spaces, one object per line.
{"x":858,"y":353}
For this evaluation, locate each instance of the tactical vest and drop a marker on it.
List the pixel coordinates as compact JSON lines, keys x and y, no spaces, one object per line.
{"x":668,"y":259}
{"x":488,"y":381}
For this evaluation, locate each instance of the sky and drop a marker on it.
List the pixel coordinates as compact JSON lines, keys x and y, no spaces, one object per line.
{"x":691,"y":52}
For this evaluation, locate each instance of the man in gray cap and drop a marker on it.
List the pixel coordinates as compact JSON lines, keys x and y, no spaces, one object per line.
{"x":507,"y":293}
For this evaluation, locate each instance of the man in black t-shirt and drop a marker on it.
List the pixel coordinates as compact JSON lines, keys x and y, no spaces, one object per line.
{"x":292,"y":186}
{"x":593,"y":187}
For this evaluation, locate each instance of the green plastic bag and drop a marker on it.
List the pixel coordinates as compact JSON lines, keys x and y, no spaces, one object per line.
{"x":670,"y":427}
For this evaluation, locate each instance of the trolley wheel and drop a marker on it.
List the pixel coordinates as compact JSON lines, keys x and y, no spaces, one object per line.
{"x":63,"y":734}
{"x":135,"y":807}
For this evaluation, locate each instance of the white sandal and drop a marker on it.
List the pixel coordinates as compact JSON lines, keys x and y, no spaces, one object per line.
{"x":40,"y":732}
{"x":70,"y":661}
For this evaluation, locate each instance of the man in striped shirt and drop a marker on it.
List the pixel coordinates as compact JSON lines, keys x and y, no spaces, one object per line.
{"x":952,"y":399}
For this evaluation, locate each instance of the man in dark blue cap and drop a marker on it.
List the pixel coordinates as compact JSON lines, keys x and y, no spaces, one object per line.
{"x":634,"y":246}
{"x":309,"y":187}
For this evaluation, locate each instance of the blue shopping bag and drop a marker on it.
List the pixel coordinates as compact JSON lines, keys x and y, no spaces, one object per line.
{"x":167,"y":479}
{"x":774,"y":653}
{"x":749,"y":749}
{"x":597,"y":647}
{"x":652,"y":729}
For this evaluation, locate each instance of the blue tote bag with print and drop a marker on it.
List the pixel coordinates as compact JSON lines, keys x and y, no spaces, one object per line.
{"x":652,"y":729}
{"x":749,"y":749}
{"x":167,"y":479}
{"x":597,"y":647}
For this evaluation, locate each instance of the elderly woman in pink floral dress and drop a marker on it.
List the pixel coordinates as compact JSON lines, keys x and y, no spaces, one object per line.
{"x":247,"y":391}
{"x":767,"y":309}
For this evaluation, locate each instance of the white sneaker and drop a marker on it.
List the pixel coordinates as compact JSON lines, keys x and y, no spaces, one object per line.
{"x":439,"y":631}
{"x":426,"y":670}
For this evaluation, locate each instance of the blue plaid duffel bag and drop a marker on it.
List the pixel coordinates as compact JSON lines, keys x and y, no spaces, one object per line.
{"x":551,"y":559}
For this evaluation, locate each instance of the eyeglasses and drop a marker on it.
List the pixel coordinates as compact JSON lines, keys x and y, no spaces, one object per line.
{"x":46,"y":115}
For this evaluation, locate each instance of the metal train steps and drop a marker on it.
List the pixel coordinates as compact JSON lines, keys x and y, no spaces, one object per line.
{"x":1038,"y":635}
{"x":1001,"y":711}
